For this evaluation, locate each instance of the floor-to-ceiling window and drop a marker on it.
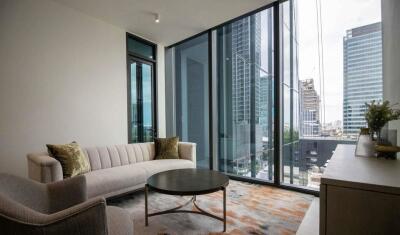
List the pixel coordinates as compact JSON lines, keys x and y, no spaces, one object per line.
{"x":229,"y":106}
{"x":331,"y":65}
{"x":281,"y":125}
{"x":191,"y":95}
{"x":289,"y":81}
{"x":245,"y":96}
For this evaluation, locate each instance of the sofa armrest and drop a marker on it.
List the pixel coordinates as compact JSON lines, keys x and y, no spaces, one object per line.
{"x":187,"y":151}
{"x":86,"y":218}
{"x":66,"y":193}
{"x":43,"y":168}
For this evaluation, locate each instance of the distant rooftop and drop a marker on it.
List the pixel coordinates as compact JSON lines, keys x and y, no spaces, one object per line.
{"x":366,"y":29}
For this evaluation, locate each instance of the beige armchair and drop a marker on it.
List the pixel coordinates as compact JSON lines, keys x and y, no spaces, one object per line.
{"x":29,"y":207}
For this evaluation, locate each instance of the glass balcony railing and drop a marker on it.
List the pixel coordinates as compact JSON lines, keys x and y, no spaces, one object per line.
{"x":305,"y":160}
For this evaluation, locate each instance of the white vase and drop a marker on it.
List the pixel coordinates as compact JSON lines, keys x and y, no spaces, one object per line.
{"x":365,"y":146}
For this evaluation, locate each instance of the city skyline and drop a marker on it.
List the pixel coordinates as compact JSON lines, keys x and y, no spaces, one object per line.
{"x":353,"y":14}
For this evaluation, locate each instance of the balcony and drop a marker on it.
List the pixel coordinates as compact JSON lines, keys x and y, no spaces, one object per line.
{"x":303,"y":161}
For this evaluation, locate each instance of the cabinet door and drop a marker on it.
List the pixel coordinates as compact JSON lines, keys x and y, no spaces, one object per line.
{"x":353,"y":211}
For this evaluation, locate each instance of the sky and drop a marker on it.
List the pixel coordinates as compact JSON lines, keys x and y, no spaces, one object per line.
{"x":337,"y":17}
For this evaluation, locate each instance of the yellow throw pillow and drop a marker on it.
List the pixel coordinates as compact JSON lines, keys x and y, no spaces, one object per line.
{"x":166,"y":148}
{"x":73,"y":160}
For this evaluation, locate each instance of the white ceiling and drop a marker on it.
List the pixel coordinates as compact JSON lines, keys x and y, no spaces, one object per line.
{"x":180,"y":19}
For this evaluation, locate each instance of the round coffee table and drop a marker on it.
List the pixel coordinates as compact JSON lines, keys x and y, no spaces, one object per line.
{"x":187,"y":182}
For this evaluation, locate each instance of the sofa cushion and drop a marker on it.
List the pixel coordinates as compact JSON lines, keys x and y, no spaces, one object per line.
{"x":119,"y":155}
{"x":108,"y":180}
{"x":156,"y":166}
{"x":73,"y":160}
{"x":166,"y":148}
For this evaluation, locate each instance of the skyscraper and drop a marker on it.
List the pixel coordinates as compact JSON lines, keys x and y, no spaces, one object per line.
{"x":246,"y":51}
{"x":309,"y":109}
{"x":245,"y":32}
{"x":362,"y":74}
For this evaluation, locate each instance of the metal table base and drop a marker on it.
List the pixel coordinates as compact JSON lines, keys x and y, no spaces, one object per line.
{"x":178,"y":210}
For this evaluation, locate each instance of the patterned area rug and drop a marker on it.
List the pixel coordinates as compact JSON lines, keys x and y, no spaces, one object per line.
{"x":251,"y":209}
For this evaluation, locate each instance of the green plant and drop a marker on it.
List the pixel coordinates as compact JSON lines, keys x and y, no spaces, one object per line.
{"x":378,"y":114}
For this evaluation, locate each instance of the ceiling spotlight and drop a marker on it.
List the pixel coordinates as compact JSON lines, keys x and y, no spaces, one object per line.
{"x":157,"y":18}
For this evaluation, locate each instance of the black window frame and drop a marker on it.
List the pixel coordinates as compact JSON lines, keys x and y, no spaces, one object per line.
{"x":142,"y":59}
{"x":278,"y":171}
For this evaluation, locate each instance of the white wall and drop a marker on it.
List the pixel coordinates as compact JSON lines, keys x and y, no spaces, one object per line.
{"x":161,"y":122}
{"x":391,"y":55}
{"x":62,"y":78}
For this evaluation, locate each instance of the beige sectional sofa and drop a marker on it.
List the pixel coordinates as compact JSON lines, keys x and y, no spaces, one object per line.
{"x":115,"y":169}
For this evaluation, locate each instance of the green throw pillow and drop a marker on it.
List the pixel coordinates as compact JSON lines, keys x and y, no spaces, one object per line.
{"x":166,"y":148}
{"x":73,"y":160}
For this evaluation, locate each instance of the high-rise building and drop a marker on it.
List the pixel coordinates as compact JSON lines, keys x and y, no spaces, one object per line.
{"x":362,"y":78}
{"x":309,"y":109}
{"x":246,"y":52}
{"x":243,"y":58}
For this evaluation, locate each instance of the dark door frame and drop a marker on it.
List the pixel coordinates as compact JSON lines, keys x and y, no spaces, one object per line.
{"x":131,"y":56}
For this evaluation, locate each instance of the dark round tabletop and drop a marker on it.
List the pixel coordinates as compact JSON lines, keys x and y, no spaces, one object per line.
{"x":187,"y":181}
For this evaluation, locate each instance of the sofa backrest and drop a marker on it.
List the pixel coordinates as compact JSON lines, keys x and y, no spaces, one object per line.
{"x":119,"y":155}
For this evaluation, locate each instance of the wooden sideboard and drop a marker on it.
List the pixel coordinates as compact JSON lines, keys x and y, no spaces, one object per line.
{"x":359,"y":195}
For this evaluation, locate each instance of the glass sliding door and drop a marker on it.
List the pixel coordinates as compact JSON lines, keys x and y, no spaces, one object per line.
{"x":140,"y":99}
{"x":133,"y":135}
{"x":147,"y":102}
{"x":141,"y":61}
{"x":192,"y":96}
{"x":245,"y":96}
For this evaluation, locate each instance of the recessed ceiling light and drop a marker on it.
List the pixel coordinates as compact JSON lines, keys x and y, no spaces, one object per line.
{"x":157,"y":18}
